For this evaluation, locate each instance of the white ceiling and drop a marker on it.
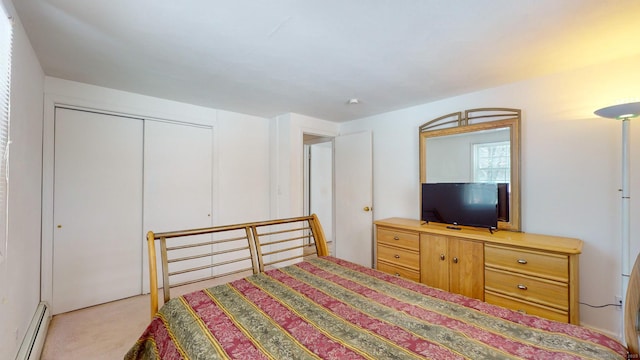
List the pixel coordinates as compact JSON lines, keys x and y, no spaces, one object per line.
{"x":272,"y":57}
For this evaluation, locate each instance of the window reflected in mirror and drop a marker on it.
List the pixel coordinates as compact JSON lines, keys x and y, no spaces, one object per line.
{"x":481,"y":156}
{"x":492,"y":162}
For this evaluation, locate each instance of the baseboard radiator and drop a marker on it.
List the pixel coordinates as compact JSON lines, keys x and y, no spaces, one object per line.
{"x":33,"y":341}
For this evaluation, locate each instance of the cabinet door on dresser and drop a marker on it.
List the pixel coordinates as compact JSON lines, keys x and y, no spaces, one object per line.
{"x":466,"y":275}
{"x":434,"y":262}
{"x":452,"y":264}
{"x":398,"y":253}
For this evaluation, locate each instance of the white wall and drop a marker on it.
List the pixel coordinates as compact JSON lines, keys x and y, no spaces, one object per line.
{"x":243,"y":168}
{"x":570,"y":166}
{"x":20,"y":273}
{"x":287,"y":170}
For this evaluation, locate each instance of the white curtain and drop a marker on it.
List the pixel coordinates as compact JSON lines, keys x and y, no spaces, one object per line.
{"x":6,"y":35}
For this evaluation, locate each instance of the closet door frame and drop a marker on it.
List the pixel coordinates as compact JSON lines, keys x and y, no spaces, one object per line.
{"x":128,"y":108}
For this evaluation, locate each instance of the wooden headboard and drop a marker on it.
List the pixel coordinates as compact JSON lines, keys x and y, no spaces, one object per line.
{"x":632,"y":309}
{"x":190,"y":256}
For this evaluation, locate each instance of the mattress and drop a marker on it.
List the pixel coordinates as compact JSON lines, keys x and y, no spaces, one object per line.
{"x":327,"y":308}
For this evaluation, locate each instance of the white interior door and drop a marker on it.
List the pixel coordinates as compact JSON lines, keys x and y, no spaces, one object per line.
{"x":354,"y":198}
{"x":97,"y":209}
{"x":177,"y":180}
{"x":320,"y":185}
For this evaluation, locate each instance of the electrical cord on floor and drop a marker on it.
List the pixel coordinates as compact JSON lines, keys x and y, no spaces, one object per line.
{"x":600,"y":306}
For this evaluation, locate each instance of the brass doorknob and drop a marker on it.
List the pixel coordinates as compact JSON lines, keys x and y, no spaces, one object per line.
{"x":366,"y":208}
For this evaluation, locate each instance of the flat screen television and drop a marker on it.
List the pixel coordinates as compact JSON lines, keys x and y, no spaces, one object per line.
{"x":472,"y":204}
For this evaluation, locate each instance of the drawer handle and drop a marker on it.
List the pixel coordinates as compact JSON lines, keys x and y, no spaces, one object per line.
{"x":522,"y":287}
{"x":455,"y":260}
{"x":442,"y":257}
{"x":522,"y":261}
{"x":522,"y":311}
{"x":396,"y":274}
{"x":396,"y":238}
{"x":396,"y":256}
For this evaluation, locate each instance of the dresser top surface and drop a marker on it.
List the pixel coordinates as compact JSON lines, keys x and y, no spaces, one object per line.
{"x":521,"y":239}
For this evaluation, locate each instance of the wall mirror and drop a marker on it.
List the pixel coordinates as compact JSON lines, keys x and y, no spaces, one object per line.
{"x":477,"y":145}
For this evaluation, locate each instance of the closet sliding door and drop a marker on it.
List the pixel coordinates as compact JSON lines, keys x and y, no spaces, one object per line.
{"x":97,"y":255}
{"x":115,"y":178}
{"x":177,"y":180}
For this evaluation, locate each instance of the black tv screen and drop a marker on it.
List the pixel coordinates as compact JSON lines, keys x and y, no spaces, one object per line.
{"x":472,"y":204}
{"x":503,"y":202}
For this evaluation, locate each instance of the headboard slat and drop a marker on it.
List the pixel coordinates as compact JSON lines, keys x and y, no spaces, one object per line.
{"x":190,"y":253}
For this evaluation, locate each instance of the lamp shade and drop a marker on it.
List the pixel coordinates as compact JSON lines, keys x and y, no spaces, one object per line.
{"x":621,"y":111}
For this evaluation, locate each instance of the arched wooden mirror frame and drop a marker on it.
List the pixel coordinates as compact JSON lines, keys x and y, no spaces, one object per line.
{"x":474,"y":120}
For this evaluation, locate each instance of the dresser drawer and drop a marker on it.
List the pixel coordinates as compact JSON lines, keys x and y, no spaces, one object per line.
{"x":551,"y":266}
{"x":546,"y":292}
{"x":399,"y":271}
{"x":404,"y":239}
{"x":399,"y":256}
{"x":526,"y":307}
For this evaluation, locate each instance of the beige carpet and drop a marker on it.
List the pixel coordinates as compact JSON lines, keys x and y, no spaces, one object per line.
{"x":107,"y":331}
{"x":101,"y":332}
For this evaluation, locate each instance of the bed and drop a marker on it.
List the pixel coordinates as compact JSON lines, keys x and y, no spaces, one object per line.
{"x":301,"y":304}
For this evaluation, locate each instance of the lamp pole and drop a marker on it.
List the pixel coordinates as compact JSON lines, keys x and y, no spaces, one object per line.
{"x":624,"y":112}
{"x":625,"y":209}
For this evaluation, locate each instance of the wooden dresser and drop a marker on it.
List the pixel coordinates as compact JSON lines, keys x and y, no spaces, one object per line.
{"x":536,"y":274}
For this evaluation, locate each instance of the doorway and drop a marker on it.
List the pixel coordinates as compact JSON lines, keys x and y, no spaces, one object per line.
{"x":318,"y":182}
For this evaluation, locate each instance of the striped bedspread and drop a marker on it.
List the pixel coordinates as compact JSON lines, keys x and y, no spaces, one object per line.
{"x":326,"y":308}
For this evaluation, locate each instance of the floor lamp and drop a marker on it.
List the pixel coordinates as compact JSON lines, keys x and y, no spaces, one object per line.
{"x":624,"y":112}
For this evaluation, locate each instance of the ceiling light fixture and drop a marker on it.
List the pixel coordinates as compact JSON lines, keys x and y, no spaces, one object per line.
{"x":353,"y":101}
